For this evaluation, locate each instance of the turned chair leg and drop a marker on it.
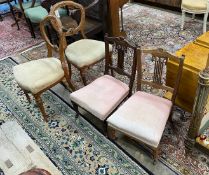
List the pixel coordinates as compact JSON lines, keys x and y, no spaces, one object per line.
{"x":193,"y":15}
{"x":205,"y":22}
{"x":111,"y":133}
{"x":75,"y":106}
{"x":68,"y":85}
{"x":182,"y":20}
{"x":41,"y":106}
{"x":83,"y":77}
{"x":30,"y":27}
{"x":27,"y":96}
{"x":155,"y":155}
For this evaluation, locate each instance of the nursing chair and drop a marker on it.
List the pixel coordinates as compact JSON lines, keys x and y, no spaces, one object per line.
{"x":144,"y":115}
{"x":195,"y":7}
{"x":85,"y":52}
{"x":101,"y":97}
{"x":37,"y":76}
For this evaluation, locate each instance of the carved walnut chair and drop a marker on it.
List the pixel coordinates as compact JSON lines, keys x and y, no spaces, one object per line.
{"x":143,"y":116}
{"x":37,"y":76}
{"x":195,"y":7}
{"x":101,"y":97}
{"x":85,"y":52}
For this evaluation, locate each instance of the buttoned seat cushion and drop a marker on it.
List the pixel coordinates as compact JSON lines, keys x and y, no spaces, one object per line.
{"x":194,"y":4}
{"x":37,"y":75}
{"x":85,"y":52}
{"x":101,"y":96}
{"x":36,"y":14}
{"x":143,"y":116}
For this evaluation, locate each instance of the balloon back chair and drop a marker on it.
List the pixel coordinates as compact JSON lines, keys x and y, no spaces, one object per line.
{"x":195,"y":7}
{"x":39,"y":75}
{"x":102,"y":96}
{"x":85,"y":52}
{"x":144,"y":115}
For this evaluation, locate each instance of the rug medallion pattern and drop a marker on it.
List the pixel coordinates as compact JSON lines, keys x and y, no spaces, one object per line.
{"x":70,"y":142}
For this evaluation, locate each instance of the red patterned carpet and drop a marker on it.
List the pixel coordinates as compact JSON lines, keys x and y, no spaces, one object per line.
{"x":13,"y":40}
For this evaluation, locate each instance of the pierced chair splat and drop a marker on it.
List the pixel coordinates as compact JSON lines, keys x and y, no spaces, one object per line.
{"x":101,"y":97}
{"x":144,"y":115}
{"x":39,"y":75}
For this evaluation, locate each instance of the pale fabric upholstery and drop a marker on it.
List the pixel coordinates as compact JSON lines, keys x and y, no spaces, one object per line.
{"x":36,"y":75}
{"x":143,"y":116}
{"x":101,"y":96}
{"x":85,"y":52}
{"x":194,"y":4}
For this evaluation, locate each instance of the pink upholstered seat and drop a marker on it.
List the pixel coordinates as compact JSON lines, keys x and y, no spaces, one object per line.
{"x":143,"y":116}
{"x":101,"y":96}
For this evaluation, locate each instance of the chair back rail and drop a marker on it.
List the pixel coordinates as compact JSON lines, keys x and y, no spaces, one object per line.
{"x":122,"y":46}
{"x":71,"y":31}
{"x":160,"y":58}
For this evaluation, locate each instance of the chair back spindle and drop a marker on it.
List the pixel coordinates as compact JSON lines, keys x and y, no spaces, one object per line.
{"x":124,"y":50}
{"x":160,"y":57}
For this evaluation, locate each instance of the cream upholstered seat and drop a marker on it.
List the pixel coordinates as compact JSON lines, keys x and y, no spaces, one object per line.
{"x":39,"y":75}
{"x":85,"y":52}
{"x":34,"y":76}
{"x":103,"y":102}
{"x":143,"y":116}
{"x":102,"y":96}
{"x":195,"y":7}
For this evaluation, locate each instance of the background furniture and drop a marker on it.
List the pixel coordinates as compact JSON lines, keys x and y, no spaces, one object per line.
{"x":37,"y":76}
{"x":113,"y":17}
{"x":95,"y":21}
{"x":196,"y":59}
{"x":33,"y":13}
{"x":11,"y":10}
{"x":170,"y":3}
{"x":200,"y":115}
{"x":195,"y":7}
{"x":103,"y":95}
{"x":85,"y":52}
{"x":143,"y":116}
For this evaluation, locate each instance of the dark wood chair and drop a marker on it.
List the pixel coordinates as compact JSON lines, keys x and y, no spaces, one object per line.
{"x":106,"y":93}
{"x":11,"y":10}
{"x":144,"y":115}
{"x":39,"y":75}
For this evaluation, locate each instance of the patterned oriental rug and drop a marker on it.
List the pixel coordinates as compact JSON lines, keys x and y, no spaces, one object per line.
{"x":13,"y":40}
{"x":71,"y":143}
{"x":155,"y":28}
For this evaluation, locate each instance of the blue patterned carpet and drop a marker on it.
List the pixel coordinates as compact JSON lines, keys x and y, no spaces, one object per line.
{"x":71,"y":143}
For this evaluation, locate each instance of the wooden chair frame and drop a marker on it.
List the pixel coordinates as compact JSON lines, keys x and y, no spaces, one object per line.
{"x":51,"y":47}
{"x":160,"y":57}
{"x":73,"y":31}
{"x":122,"y":46}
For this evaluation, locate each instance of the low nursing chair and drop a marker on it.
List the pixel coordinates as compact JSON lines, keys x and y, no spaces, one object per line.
{"x":101,"y":97}
{"x":144,"y":115}
{"x":37,"y":76}
{"x":195,"y":7}
{"x":85,"y":52}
